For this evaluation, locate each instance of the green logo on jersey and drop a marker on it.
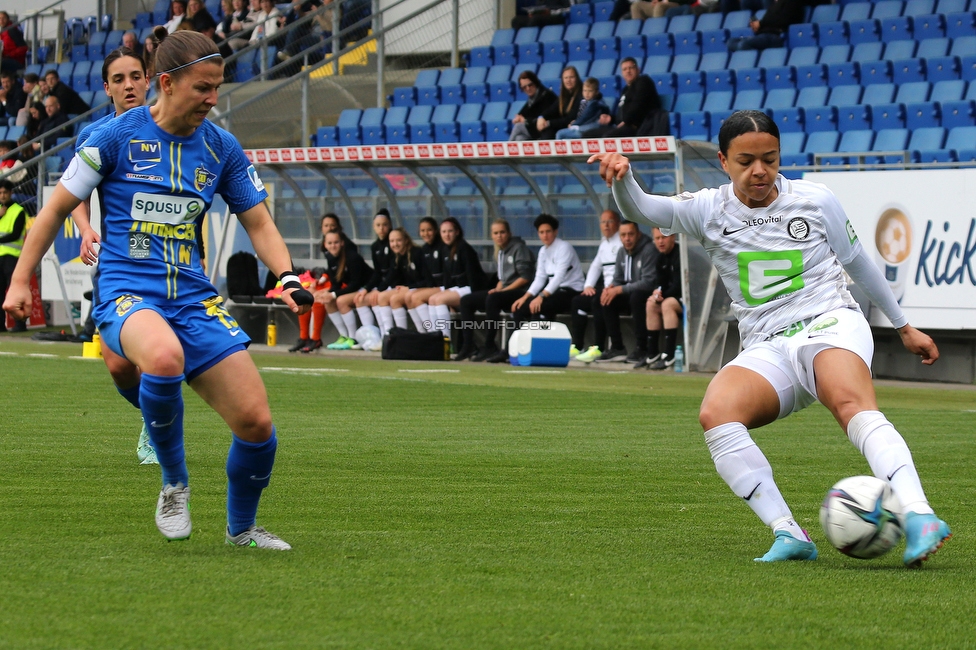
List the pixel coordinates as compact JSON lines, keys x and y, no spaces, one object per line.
{"x":850,"y":232}
{"x":764,"y":276}
{"x":830,"y":322}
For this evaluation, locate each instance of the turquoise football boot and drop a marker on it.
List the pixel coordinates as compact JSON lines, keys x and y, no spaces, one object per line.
{"x":787,"y":547}
{"x":924,"y":535}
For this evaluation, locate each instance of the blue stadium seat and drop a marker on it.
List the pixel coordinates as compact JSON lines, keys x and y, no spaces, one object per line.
{"x":960,"y":25}
{"x":519,"y":68}
{"x":714,"y":40}
{"x":96,"y":45}
{"x":469,"y":113}
{"x":963,"y":46}
{"x":481,"y":56}
{"x":348,"y":124}
{"x":717,"y":118}
{"x":887,"y":9}
{"x":690,"y":101}
{"x":606,"y":48}
{"x":551,"y":33}
{"x":371,"y":126}
{"x":832,"y":33}
{"x":941,"y":68}
{"x":864,"y":31}
{"x":693,"y":125}
{"x":853,"y":118}
{"x":582,"y":67}
{"x":656,"y":65}
{"x":449,"y":77}
{"x":709,"y":21}
{"x":811,"y":75}
{"x":896,"y":29}
{"x":474,"y":75}
{"x":916,"y":8}
{"x":856,"y":11}
{"x":749,"y":79}
{"x":603,"y":68}
{"x":660,"y":44}
{"x":427,"y":78}
{"x":922,"y":115}
{"x":526,"y":35}
{"x":502,"y":37}
{"x":879,"y":93}
{"x":788,"y":119}
{"x":714,"y":61}
{"x":820,"y":118}
{"x":843,"y":74}
{"x":748,"y":99}
{"x":581,"y":14}
{"x":835,"y":54}
{"x":741,"y":59}
{"x":611,"y":85}
{"x":555,"y":51}
{"x":929,"y":26}
{"x":896,"y":50}
{"x":958,"y":113}
{"x":932,"y":47}
{"x":687,"y":42}
{"x":635,"y":45}
{"x":791,"y":142}
{"x":452,"y":94}
{"x":855,"y":142}
{"x":961,"y":138}
{"x":806,"y":55}
{"x":627,"y":28}
{"x":821,"y":141}
{"x":576,"y":32}
{"x":925,"y":141}
{"x":875,"y":72}
{"x":890,"y":140}
{"x":664,"y":83}
{"x":505,"y":54}
{"x":907,"y":70}
{"x":913,"y":92}
{"x":867,"y":52}
{"x":601,"y":29}
{"x":580,"y":49}
{"x":950,"y":6}
{"x":690,"y":82}
{"x":529,"y":52}
{"x":684,"y":63}
{"x":967,"y":68}
{"x":499,"y":73}
{"x":844,"y":96}
{"x":825,"y":13}
{"x":800,"y":35}
{"x":949,"y":90}
{"x":887,"y":116}
{"x":737,"y":20}
{"x":719,"y":100}
{"x":719,"y":80}
{"x":812,"y":97}
{"x":779,"y":98}
{"x":682,"y":23}
{"x":428,"y":95}
{"x":327,"y":136}
{"x":780,"y":77}
{"x":495,"y":112}
{"x":602,"y":11}
{"x":773,"y":57}
{"x":654,"y":26}
{"x":396,"y":115}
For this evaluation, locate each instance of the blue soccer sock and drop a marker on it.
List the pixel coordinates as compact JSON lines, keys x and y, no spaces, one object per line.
{"x":249,"y":467}
{"x":130,"y":394}
{"x":161,"y":400}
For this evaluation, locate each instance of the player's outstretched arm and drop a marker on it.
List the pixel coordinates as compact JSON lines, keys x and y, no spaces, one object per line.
{"x":271,"y":250}
{"x":49,"y":220}
{"x":634,"y":203}
{"x":613,"y":166}
{"x":920,"y":343}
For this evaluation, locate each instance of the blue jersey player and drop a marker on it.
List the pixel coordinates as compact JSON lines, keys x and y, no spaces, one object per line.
{"x":126,"y":84}
{"x":156,"y":171}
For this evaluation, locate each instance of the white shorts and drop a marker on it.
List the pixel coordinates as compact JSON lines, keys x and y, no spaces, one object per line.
{"x":461,"y":291}
{"x":786,"y":360}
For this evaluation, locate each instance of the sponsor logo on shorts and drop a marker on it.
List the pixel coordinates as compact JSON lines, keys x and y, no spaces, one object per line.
{"x":829,"y":322}
{"x":125,"y":303}
{"x":164,"y":208}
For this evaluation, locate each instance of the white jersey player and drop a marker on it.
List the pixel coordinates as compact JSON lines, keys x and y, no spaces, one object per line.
{"x":781,"y":248}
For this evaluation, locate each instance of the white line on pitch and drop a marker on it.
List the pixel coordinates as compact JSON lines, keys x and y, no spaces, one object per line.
{"x":535,"y":372}
{"x":428,"y":370}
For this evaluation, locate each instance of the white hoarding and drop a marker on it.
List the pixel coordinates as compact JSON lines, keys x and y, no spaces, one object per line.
{"x":920,"y":227}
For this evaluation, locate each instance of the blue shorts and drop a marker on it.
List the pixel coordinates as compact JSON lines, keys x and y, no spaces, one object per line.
{"x":206,"y":330}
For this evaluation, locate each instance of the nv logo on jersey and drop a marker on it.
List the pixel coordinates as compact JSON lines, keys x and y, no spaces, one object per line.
{"x":146,"y":151}
{"x":202,"y":178}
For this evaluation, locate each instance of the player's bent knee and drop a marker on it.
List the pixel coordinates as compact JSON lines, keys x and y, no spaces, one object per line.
{"x":253,"y":424}
{"x":163,"y":361}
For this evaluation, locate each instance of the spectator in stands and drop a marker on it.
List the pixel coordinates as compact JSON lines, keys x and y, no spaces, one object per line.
{"x":68,"y":99}
{"x":664,"y":308}
{"x":148,"y":47}
{"x":346,"y":271}
{"x":539,"y":100}
{"x":14,"y":46}
{"x":12,"y":97}
{"x":51,"y":126}
{"x":405,"y":273}
{"x":641,"y":9}
{"x":9,"y":162}
{"x":32,"y":89}
{"x":750,"y":5}
{"x":462,"y":275}
{"x":177,"y":12}
{"x":638,"y":102}
{"x":367,"y":295}
{"x":131,"y":41}
{"x":266,"y":25}
{"x":515,"y":265}
{"x":599,"y":275}
{"x":299,"y":38}
{"x":562,"y":112}
{"x":239,"y":24}
{"x":36,"y":115}
{"x":13,"y":227}
{"x":771,"y":30}
{"x":433,"y":251}
{"x":587,"y":118}
{"x":634,"y":279}
{"x":558,"y":278}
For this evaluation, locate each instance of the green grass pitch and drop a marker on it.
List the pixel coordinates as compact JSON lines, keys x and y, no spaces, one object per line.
{"x":472,"y":507}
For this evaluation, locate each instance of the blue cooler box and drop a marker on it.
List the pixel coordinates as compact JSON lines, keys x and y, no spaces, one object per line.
{"x":540,"y":343}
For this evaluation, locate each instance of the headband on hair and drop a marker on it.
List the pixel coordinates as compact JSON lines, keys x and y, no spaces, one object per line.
{"x":187,"y":65}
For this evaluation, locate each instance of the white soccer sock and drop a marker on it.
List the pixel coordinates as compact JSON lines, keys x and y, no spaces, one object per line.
{"x":418,"y":322}
{"x":340,"y":326}
{"x":366,"y":316}
{"x":424,"y":311}
{"x":384,"y":314}
{"x":400,"y":317}
{"x":889,"y":458}
{"x":745,"y":469}
{"x":349,"y":318}
{"x":442,"y":313}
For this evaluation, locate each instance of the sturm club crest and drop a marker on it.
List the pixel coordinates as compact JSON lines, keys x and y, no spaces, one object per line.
{"x":798,"y":229}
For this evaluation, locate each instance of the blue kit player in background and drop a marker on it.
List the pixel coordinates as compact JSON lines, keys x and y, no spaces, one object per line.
{"x":781,"y":248}
{"x":126,"y":84}
{"x":156,"y":170}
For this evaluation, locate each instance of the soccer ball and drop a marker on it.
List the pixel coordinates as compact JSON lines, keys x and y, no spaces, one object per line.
{"x":861,"y":517}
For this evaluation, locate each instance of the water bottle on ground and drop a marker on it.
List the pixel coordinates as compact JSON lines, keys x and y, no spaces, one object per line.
{"x":679,"y":359}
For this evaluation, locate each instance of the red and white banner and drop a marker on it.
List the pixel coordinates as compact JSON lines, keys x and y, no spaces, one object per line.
{"x":463,"y":151}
